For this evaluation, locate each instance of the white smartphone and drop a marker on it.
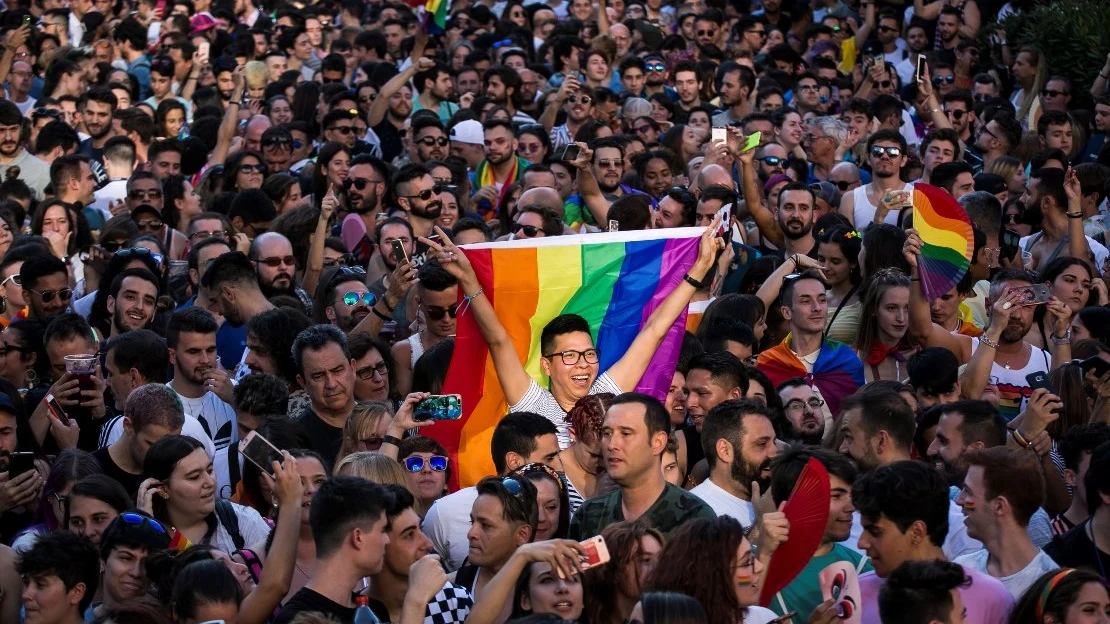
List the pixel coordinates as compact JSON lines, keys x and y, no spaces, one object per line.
{"x":260,"y":452}
{"x":720,"y":134}
{"x":203,"y":47}
{"x":920,"y":67}
{"x":596,"y":552}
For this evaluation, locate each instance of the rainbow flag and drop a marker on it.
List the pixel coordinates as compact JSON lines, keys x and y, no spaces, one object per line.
{"x":435,"y":17}
{"x":947,"y":240}
{"x":613,"y":280}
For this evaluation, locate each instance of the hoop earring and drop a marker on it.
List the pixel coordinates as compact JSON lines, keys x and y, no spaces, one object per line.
{"x":32,"y":378}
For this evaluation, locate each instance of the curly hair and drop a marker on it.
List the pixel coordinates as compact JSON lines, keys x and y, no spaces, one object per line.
{"x":587,"y":415}
{"x":625,"y":543}
{"x":700,"y":556}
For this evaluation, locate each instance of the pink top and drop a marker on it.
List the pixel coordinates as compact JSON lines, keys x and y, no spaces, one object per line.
{"x":986,"y":599}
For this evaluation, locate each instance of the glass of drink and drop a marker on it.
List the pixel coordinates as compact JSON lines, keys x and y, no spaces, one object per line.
{"x":83,"y":367}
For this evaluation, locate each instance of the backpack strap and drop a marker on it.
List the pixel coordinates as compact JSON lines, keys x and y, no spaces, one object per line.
{"x":229,"y":521}
{"x":253,"y":563}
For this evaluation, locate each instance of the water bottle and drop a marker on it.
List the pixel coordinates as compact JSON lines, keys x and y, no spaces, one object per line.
{"x":363,"y":614}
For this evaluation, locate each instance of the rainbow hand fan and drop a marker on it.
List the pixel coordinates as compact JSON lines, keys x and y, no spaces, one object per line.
{"x":807,"y":510}
{"x":947,"y":240}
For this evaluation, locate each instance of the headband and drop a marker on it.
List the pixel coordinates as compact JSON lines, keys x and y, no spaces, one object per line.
{"x":1047,"y":591}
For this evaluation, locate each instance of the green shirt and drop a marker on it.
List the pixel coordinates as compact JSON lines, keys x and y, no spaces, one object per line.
{"x":803,"y":594}
{"x":673,"y":507}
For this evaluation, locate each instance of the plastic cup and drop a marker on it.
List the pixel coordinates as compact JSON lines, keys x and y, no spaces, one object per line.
{"x":83,"y":367}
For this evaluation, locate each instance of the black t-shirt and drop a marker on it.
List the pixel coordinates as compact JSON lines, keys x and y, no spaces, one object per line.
{"x":1074,"y":549}
{"x":694,"y":452}
{"x":390,"y":138}
{"x":322,"y":437}
{"x":130,"y":482}
{"x":307,"y":601}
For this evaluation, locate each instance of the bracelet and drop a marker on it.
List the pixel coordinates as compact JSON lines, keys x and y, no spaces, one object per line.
{"x":794,"y":259}
{"x":1020,"y":439}
{"x":1061,"y":340}
{"x":987,"y":341}
{"x":693,"y":282}
{"x":235,"y":102}
{"x":388,"y":439}
{"x":378,"y":314}
{"x":1074,"y":216}
{"x":385,"y":302}
{"x":915,"y":279}
{"x":467,"y":299}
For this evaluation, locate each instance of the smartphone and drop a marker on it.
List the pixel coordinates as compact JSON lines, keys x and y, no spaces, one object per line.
{"x":26,"y":20}
{"x":1036,"y":294}
{"x":161,"y":6}
{"x":20,"y":463}
{"x":1096,"y":364}
{"x":920,"y":67}
{"x":569,"y":153}
{"x":720,"y":134}
{"x":399,"y":254}
{"x":879,"y":60}
{"x":753,"y":141}
{"x":260,"y":452}
{"x":596,"y":552}
{"x":614,"y":225}
{"x":1009,"y":246}
{"x":1039,"y":379}
{"x":55,"y":407}
{"x":203,"y":47}
{"x":725,"y":214}
{"x":439,"y":407}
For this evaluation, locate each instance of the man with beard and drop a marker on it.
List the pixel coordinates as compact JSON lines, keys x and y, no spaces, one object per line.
{"x":997,"y":137}
{"x":97,"y":113}
{"x":741,"y":443}
{"x":734,"y":84}
{"x":347,"y":300}
{"x":467,"y":142}
{"x":429,"y":139}
{"x":45,"y":283}
{"x":772,"y":161}
{"x":205,"y":389}
{"x":365,"y":187}
{"x":934,"y":377}
{"x":804,"y":411}
{"x":273,"y":259}
{"x":503,"y":89}
{"x":876,"y":428}
{"x":1048,"y":192}
{"x":886,"y":152}
{"x":602,"y":169}
{"x":499,"y":170}
{"x":577,"y":102}
{"x":435,"y":89}
{"x":230,"y":284}
{"x":392,"y":107}
{"x":803,"y":594}
{"x":711,"y":379}
{"x":32,"y":170}
{"x":790,"y":226}
{"x":132,"y":300}
{"x":277,"y":149}
{"x":416,"y":196}
{"x":339,"y":126}
{"x":326,"y":371}
{"x":437,"y":296}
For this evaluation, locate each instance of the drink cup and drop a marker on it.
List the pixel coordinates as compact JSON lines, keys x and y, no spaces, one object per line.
{"x":83,"y":367}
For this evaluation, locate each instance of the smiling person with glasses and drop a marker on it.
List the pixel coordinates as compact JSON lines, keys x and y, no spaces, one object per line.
{"x":886,"y":150}
{"x":45,"y":283}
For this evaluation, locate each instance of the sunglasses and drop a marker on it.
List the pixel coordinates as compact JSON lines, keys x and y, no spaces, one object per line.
{"x":145,"y":194}
{"x":808,"y":87}
{"x":252,"y":168}
{"x":706,"y":33}
{"x":276,"y":261}
{"x":424,"y":195}
{"x":367,"y":372}
{"x":512,"y":486}
{"x":585,"y":99}
{"x":150,"y":224}
{"x":199,"y":235}
{"x":644,"y":129}
{"x":430,"y":141}
{"x":15,"y":279}
{"x":528,"y":149}
{"x":843,"y":186}
{"x":437,"y":463}
{"x":956,"y":114}
{"x":891,"y":152}
{"x":437,"y":314}
{"x":359,"y":183}
{"x":939,"y":80}
{"x":772,"y":161}
{"x":366,"y":99}
{"x":345,"y":259}
{"x":1054,"y":93}
{"x":138,"y":252}
{"x":351,"y":298}
{"x":656,"y":67}
{"x":48,"y":295}
{"x":133,"y":518}
{"x":885,"y":84}
{"x":529,"y":230}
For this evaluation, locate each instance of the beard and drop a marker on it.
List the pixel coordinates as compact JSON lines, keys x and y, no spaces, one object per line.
{"x":429,"y":211}
{"x":9,"y":149}
{"x":953,"y":475}
{"x":368,"y":204}
{"x":269,"y":290}
{"x":498,"y":159}
{"x":117,"y":322}
{"x":744,"y":472}
{"x":606,"y":188}
{"x":795,"y":229}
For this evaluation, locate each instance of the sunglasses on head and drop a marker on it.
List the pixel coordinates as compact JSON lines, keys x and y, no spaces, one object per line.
{"x":345,"y":274}
{"x":437,"y":463}
{"x":878,"y":151}
{"x":437,"y":314}
{"x":138,"y":252}
{"x":529,"y":230}
{"x":131,"y":517}
{"x":351,"y":298}
{"x":939,"y":80}
{"x":48,"y":295}
{"x":430,"y":141}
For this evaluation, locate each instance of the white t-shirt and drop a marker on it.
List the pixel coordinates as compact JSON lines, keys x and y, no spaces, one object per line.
{"x":252,"y":528}
{"x":1013,"y":387}
{"x":725,"y":504}
{"x":1017,"y":582}
{"x":447,"y":523}
{"x":758,"y":615}
{"x":540,"y":401}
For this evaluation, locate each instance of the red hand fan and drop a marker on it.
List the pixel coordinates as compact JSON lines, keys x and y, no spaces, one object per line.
{"x":807,"y":510}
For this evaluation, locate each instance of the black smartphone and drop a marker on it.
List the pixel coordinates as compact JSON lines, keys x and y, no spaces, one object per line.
{"x":399,"y":254}
{"x":20,"y":463}
{"x":1039,"y":379}
{"x":1009,"y":244}
{"x":1096,"y":364}
{"x":569,"y":153}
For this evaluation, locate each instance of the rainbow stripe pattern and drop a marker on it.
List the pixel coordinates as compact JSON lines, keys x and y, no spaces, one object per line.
{"x":948,"y":242}
{"x":435,"y":17}
{"x":613,"y":280}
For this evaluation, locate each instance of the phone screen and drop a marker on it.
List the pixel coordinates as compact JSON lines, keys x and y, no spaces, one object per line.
{"x":753,"y":141}
{"x":55,"y":408}
{"x":260,"y":452}
{"x":439,"y":407}
{"x":720,"y":134}
{"x":20,"y":463}
{"x":1010,"y":244}
{"x":570,"y":153}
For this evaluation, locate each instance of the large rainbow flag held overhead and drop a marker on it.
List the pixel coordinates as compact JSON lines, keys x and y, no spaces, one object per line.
{"x":613,"y":280}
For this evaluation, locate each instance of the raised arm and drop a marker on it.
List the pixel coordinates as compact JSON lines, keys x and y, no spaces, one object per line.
{"x":628,"y":370}
{"x":753,"y":200}
{"x":277,"y":574}
{"x":551,"y":111}
{"x":927,"y":12}
{"x":400,"y":281}
{"x":865,"y":30}
{"x":230,"y":122}
{"x":419,"y":63}
{"x":970,"y":21}
{"x":587,"y":186}
{"x":1077,"y":241}
{"x":768,"y":293}
{"x":561,"y":555}
{"x":510,"y":372}
{"x":315,"y":262}
{"x":1059,"y":344}
{"x":978,"y":371}
{"x":936,"y":113}
{"x":18,"y":37}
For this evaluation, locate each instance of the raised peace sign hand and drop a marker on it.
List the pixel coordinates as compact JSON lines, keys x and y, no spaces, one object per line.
{"x":451,"y":258}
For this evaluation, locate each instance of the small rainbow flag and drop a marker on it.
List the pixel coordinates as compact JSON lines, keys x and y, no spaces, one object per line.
{"x":613,"y":280}
{"x":435,"y":17}
{"x":948,"y":242}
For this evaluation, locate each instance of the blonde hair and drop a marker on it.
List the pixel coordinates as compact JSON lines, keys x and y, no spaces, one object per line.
{"x":363,"y":420}
{"x":373,"y":467}
{"x":1030,"y":96}
{"x":1005,"y":166}
{"x":255,"y":73}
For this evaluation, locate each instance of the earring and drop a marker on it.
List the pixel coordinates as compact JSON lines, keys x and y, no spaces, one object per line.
{"x":274,"y":508}
{"x":32,"y":377}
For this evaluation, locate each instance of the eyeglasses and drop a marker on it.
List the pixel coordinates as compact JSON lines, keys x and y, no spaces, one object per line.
{"x":887,"y":29}
{"x":956,"y":113}
{"x":892,"y":152}
{"x":772,"y":161}
{"x":145,"y":193}
{"x":502,"y":43}
{"x":761,"y":33}
{"x":798,"y":405}
{"x":280,"y":140}
{"x":252,"y":169}
{"x":48,"y":295}
{"x":842,"y":185}
{"x":360,"y":183}
{"x":706,"y":33}
{"x":366,"y":99}
{"x":939,"y":80}
{"x":437,"y":314}
{"x":150,"y":224}
{"x":345,"y":259}
{"x":585,"y":99}
{"x":529,"y":148}
{"x":1053,"y":93}
{"x":437,"y":463}
{"x":610,"y":164}
{"x":204,"y":234}
{"x":5,"y":348}
{"x":341,"y":129}
{"x":570,"y":357}
{"x":131,"y":517}
{"x":656,"y":67}
{"x":14,"y":278}
{"x":276,"y":261}
{"x":1012,"y":218}
{"x":529,"y":230}
{"x":351,"y":298}
{"x":367,"y":372}
{"x":644,"y":129}
{"x":430,"y":141}
{"x":424,"y":195}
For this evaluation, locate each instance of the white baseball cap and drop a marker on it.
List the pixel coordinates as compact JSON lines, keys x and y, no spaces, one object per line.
{"x":469,"y":131}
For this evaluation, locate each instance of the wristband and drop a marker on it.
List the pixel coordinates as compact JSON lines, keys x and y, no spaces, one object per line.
{"x":1074,"y":216}
{"x":1019,"y":438}
{"x":378,"y":314}
{"x":388,"y":439}
{"x":988,"y":342}
{"x":693,"y":282}
{"x":385,"y":302}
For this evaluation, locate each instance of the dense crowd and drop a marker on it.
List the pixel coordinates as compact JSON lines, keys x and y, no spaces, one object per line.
{"x":236,"y":238}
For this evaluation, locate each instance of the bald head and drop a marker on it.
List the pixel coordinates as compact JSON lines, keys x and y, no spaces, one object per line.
{"x":714,"y":175}
{"x":546,"y":197}
{"x":252,"y":138}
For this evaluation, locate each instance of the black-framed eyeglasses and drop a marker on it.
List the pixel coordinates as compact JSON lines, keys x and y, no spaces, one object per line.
{"x":48,"y":295}
{"x":574,"y":99}
{"x":570,"y":357}
{"x":344,"y":260}
{"x":437,"y":314}
{"x":797,"y":405}
{"x":429,"y":141}
{"x":530,"y":231}
{"x":892,"y":152}
{"x":368,"y":372}
{"x":341,"y":129}
{"x":424,"y":195}
{"x":252,"y":169}
{"x":956,"y":113}
{"x":883,"y":84}
{"x":438,"y":463}
{"x":352,"y":298}
{"x":5,"y":348}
